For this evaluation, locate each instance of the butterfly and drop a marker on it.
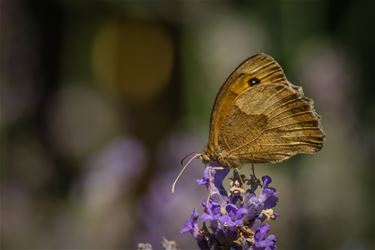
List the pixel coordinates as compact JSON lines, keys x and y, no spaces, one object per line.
{"x":260,"y":117}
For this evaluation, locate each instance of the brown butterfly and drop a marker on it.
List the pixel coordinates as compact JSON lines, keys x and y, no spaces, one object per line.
{"x":260,"y":117}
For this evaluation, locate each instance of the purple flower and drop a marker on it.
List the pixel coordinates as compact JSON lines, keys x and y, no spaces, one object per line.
{"x":192,"y":225}
{"x":262,"y":241}
{"x":212,"y":211}
{"x":217,"y":178}
{"x":269,"y":194}
{"x":213,"y":181}
{"x":234,"y":219}
{"x":205,"y":179}
{"x":253,"y":204}
{"x":234,"y":215}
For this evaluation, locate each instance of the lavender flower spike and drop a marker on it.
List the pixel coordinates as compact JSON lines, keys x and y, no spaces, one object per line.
{"x":234,"y":218}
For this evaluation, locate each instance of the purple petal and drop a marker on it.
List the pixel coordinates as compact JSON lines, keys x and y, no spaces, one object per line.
{"x":271,"y":202}
{"x":187,"y":228}
{"x":227,"y":220}
{"x":268,"y":195}
{"x":268,"y":244}
{"x":191,"y":225}
{"x":269,"y":198}
{"x":205,"y":180}
{"x":215,"y":209}
{"x":239,"y":222}
{"x":241,"y":213}
{"x":205,"y":217}
{"x":254,"y":207}
{"x":201,"y":181}
{"x":204,"y":203}
{"x":271,"y":237}
{"x":207,"y":171}
{"x":194,"y":216}
{"x":231,"y":210}
{"x":219,"y":178}
{"x":261,"y":232}
{"x":266,"y":181}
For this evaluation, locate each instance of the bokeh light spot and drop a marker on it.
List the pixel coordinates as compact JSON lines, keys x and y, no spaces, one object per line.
{"x":133,"y":59}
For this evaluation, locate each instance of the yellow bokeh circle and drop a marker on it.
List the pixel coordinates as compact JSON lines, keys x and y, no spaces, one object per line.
{"x":133,"y":59}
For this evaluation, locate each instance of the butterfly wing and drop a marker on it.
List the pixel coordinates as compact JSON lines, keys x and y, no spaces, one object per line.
{"x":270,"y":123}
{"x":260,"y":66}
{"x":259,"y":117}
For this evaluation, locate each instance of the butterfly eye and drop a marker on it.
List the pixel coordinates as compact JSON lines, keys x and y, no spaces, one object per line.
{"x":253,"y":81}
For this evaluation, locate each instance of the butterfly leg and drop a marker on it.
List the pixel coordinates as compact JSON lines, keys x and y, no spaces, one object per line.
{"x":254,"y":181}
{"x":237,"y":176}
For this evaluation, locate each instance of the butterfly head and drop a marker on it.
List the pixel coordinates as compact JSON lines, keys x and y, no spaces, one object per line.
{"x":205,"y":157}
{"x":209,"y":156}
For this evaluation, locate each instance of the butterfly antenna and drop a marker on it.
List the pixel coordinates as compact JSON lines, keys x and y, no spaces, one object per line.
{"x":183,"y":169}
{"x":186,"y":156}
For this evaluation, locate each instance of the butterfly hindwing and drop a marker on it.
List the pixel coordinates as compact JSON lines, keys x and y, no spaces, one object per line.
{"x":270,"y":123}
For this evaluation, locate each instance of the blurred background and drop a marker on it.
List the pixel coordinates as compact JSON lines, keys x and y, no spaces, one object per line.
{"x":100,"y":100}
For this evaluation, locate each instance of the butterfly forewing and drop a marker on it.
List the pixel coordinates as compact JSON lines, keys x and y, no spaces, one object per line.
{"x":258,"y":69}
